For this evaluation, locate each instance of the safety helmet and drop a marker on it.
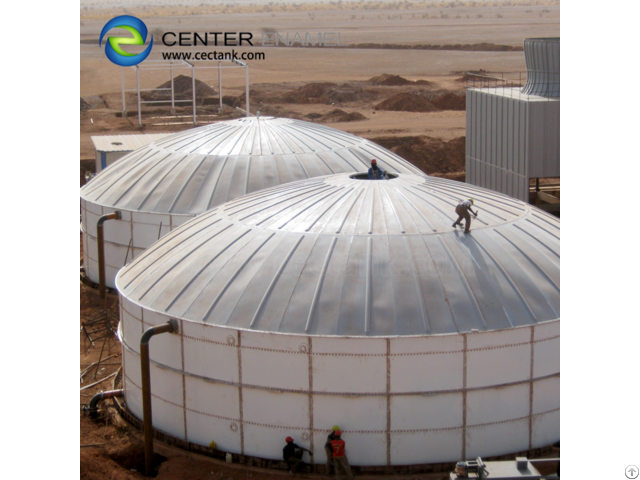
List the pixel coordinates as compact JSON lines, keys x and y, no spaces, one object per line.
{"x":335,"y":428}
{"x":289,"y":439}
{"x":373,"y":161}
{"x":471,"y":200}
{"x":338,"y":433}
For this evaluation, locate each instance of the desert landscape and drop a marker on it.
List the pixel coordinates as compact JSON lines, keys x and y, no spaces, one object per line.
{"x":400,"y":81}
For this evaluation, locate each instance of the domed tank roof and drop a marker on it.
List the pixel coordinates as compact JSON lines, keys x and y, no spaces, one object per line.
{"x":193,"y":171}
{"x":342,"y":256}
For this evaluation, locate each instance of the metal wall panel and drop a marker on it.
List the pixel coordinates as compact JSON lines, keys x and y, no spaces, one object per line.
{"x":426,"y":447}
{"x":429,"y":412}
{"x":544,"y":146}
{"x":204,"y":429}
{"x":131,"y":329}
{"x":210,"y":352}
{"x":545,"y":429}
{"x":495,"y":156}
{"x":209,"y":398}
{"x":366,"y":447}
{"x":545,"y":395}
{"x":275,"y":369}
{"x":508,"y":436}
{"x":132,"y":381}
{"x":546,"y":357}
{"x":167,"y":401}
{"x":498,"y":404}
{"x":412,"y":373}
{"x":131,"y":308}
{"x":511,"y":139}
{"x":498,"y":365}
{"x":350,"y":412}
{"x":349,"y":373}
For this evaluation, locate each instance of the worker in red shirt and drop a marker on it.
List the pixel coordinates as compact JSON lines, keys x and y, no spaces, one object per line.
{"x":340,"y":461}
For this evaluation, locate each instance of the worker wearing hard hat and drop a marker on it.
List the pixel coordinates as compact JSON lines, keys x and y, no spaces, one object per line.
{"x":462,"y":209}
{"x":292,"y":454}
{"x":375,"y":172}
{"x":339,"y":457}
{"x":328,"y":449}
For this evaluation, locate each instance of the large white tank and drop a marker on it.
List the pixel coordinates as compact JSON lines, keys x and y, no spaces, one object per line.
{"x":353,"y":302}
{"x":167,"y":182}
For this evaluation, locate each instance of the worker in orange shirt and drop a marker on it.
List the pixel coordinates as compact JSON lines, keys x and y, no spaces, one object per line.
{"x":340,"y":461}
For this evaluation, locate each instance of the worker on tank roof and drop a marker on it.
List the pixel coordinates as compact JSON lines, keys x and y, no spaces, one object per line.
{"x":375,"y":172}
{"x":463,"y":210}
{"x":292,"y":454}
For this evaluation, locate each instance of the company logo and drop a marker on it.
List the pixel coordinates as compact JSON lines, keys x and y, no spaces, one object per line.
{"x":632,"y":472}
{"x":113,"y":48}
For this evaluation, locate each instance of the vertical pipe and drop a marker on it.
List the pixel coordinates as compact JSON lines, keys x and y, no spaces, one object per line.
{"x":124,"y":105}
{"x":138,"y":88}
{"x":173,"y":106}
{"x":193,"y":89}
{"x":145,"y":373}
{"x":99,"y":228}
{"x":246,"y":70}
{"x":220,"y":86}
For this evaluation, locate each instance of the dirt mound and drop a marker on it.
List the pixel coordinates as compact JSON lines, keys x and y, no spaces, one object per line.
{"x":471,"y":74}
{"x":338,"y":115}
{"x":310,"y":93}
{"x":326,"y":93}
{"x":450,"y":101}
{"x":84,"y":105}
{"x":431,"y":155}
{"x":182,"y":90}
{"x":406,"y":102}
{"x":346,"y":94}
{"x":94,"y":465}
{"x":389,"y":80}
{"x":95,"y":101}
{"x":468,"y":47}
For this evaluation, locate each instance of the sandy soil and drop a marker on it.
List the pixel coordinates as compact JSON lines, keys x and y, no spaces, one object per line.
{"x":432,"y":140}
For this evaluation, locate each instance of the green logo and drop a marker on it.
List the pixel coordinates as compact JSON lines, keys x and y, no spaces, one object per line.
{"x":113,"y":48}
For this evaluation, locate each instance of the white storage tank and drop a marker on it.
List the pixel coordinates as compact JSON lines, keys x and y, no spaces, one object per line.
{"x":342,"y":301}
{"x":166,"y":183}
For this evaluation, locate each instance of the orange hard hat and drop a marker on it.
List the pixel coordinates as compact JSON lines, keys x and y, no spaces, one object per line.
{"x":289,"y":439}
{"x":338,"y":433}
{"x":373,"y":160}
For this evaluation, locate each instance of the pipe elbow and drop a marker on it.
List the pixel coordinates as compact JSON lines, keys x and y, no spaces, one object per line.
{"x":93,"y":404}
{"x":169,"y":327}
{"x":117,"y":215}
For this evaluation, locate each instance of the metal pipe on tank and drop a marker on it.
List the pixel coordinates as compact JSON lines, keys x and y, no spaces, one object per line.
{"x":145,"y":373}
{"x":93,"y":404}
{"x":111,"y":216}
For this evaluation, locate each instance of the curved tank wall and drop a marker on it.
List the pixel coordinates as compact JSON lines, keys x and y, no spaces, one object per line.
{"x":166,"y":183}
{"x":354,"y":303}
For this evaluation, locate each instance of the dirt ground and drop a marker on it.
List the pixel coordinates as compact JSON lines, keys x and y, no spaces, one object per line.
{"x":285,"y":84}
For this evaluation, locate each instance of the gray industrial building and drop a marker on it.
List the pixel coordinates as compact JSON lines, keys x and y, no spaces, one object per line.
{"x":513,"y":133}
